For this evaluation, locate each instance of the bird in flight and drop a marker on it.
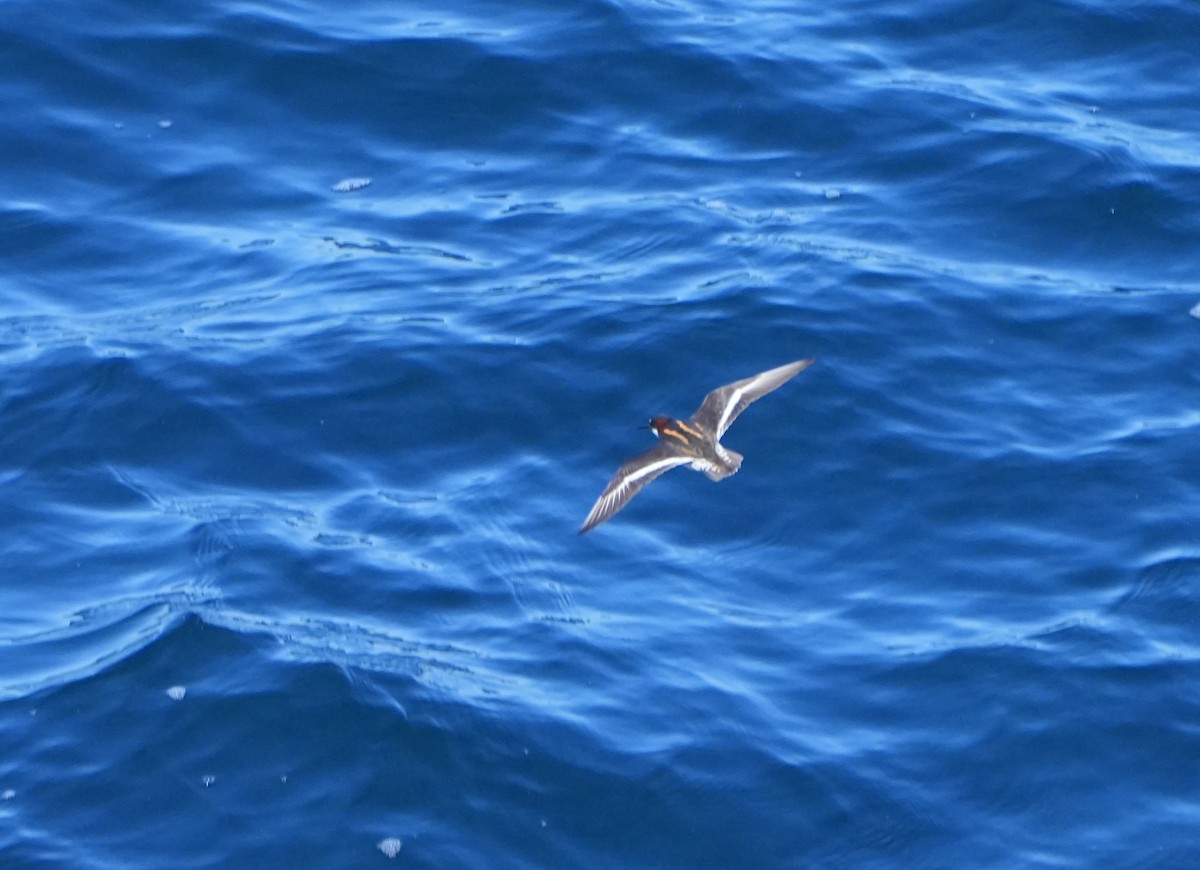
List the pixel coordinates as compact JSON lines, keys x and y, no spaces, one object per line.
{"x":695,"y":441}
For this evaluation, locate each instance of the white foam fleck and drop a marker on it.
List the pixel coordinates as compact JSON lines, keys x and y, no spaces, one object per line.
{"x":1195,"y":312}
{"x":176,"y":693}
{"x":390,"y":846}
{"x":348,"y":184}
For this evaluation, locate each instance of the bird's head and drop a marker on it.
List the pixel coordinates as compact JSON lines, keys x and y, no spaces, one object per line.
{"x":657,"y":423}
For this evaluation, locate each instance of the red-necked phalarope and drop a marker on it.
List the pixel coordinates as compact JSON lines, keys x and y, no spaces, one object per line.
{"x":695,"y":441}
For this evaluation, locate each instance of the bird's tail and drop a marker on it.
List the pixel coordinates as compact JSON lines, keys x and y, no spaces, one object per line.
{"x":731,"y":461}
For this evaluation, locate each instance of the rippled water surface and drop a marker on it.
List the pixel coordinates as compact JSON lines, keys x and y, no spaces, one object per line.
{"x":321,"y":329}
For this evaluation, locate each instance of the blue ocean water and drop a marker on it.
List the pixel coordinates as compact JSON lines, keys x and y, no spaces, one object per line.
{"x":291,"y":469}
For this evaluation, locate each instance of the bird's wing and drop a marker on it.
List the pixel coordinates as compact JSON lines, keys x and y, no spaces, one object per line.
{"x":722,"y":406}
{"x":630,"y":477}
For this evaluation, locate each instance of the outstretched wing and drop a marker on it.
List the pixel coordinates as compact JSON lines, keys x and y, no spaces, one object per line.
{"x":630,"y":477}
{"x":722,"y":406}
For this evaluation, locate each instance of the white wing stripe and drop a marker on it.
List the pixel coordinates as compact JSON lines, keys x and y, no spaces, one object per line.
{"x":668,"y":462}
{"x":734,"y":398}
{"x":606,"y":501}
